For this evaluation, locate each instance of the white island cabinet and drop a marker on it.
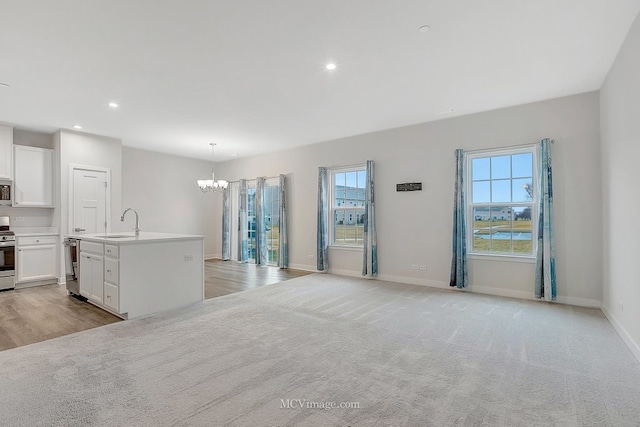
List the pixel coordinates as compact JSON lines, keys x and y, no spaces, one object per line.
{"x":135,"y":276}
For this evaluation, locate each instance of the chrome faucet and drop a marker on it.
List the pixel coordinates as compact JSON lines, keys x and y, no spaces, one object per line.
{"x":137,"y":229}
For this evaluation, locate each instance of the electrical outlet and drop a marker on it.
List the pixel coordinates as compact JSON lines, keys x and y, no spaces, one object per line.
{"x":415,"y":266}
{"x":312,"y":256}
{"x":423,"y":267}
{"x":621,"y":305}
{"x":188,"y":257}
{"x":18,"y":218}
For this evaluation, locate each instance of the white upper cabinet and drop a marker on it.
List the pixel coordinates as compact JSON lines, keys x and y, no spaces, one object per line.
{"x":33,"y":177}
{"x":6,"y":152}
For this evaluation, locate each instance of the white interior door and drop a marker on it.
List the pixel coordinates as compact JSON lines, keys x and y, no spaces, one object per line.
{"x":89,"y":201}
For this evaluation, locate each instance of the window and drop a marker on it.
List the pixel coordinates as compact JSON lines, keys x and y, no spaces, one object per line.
{"x":501,"y":204}
{"x":347,"y":206}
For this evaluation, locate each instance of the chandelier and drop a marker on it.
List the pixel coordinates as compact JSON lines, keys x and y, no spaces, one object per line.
{"x":209,"y":185}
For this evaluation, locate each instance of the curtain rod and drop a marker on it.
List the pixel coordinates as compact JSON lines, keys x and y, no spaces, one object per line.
{"x":506,"y":147}
{"x":346,"y":166}
{"x":255,"y":179}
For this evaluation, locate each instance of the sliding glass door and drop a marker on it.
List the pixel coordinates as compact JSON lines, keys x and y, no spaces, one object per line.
{"x":271,"y":214}
{"x":251,"y":220}
{"x":272,"y":219}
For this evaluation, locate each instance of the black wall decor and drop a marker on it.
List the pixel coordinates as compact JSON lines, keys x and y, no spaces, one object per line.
{"x":409,"y":186}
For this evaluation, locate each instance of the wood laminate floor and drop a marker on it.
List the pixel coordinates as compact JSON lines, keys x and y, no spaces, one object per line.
{"x":31,"y":315}
{"x":227,"y":277}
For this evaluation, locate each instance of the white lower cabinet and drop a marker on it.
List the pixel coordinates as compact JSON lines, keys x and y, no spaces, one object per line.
{"x":37,"y":259}
{"x":99,"y":275}
{"x":92,"y":271}
{"x":91,"y":277}
{"x":111,"y":296}
{"x":111,"y":278}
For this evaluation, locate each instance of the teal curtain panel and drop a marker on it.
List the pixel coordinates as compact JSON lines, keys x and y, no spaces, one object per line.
{"x":261,"y":229}
{"x":459,"y":269}
{"x":545,"y":279}
{"x":226,"y":225}
{"x":323,"y":221}
{"x":283,"y":249}
{"x":370,"y":249}
{"x":243,"y":245}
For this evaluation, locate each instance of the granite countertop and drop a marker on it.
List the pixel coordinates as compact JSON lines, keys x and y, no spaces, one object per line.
{"x":129,"y":237}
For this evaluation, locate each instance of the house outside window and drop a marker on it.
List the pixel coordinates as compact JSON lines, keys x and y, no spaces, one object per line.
{"x":347,"y":200}
{"x":502,"y":202}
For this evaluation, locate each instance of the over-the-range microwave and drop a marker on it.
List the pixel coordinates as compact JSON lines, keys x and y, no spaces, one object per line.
{"x":5,"y":193}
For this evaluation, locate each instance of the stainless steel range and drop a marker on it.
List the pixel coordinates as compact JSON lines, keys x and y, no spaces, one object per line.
{"x":7,"y":255}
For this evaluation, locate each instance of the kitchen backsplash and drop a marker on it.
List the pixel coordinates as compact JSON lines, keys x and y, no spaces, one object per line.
{"x":28,"y":217}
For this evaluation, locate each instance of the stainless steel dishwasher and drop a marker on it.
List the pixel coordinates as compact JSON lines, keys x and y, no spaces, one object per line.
{"x":71,"y":246}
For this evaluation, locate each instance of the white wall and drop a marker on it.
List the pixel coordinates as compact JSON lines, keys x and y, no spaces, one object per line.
{"x":76,"y":148}
{"x":620,"y":126}
{"x":162,"y":188}
{"x":415,"y":227}
{"x":33,"y":139}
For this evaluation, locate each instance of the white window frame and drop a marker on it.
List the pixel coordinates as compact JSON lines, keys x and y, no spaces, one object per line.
{"x":469,"y":156}
{"x":333,"y":208}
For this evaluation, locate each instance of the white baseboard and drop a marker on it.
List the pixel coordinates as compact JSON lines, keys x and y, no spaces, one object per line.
{"x":303,"y":267}
{"x":501,"y":292}
{"x":36,"y":283}
{"x":213,"y":256}
{"x":486,"y":290}
{"x":633,"y":346}
{"x":580,"y":302}
{"x":414,"y":281}
{"x":348,"y":273}
{"x":530,"y":295}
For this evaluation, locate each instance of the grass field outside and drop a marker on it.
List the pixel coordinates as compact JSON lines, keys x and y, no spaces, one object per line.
{"x":273,"y":243}
{"x":483,"y":230}
{"x":349,"y":234}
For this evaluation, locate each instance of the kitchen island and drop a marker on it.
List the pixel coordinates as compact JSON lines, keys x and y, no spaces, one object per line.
{"x":132,"y":276}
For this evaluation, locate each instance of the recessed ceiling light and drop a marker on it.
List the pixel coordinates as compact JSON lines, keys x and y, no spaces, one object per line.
{"x":235,"y":154}
{"x":77,"y":127}
{"x":330,"y":66}
{"x":424,"y":29}
{"x":4,"y":85}
{"x":113,"y":105}
{"x":449,"y":111}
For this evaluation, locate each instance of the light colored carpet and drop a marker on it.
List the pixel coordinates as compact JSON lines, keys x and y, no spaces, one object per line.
{"x":408,"y":355}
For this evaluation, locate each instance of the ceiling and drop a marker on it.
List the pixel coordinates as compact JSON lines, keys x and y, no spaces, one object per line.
{"x":250,"y":74}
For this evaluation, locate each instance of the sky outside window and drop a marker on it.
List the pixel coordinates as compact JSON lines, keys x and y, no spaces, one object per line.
{"x":501,"y":179}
